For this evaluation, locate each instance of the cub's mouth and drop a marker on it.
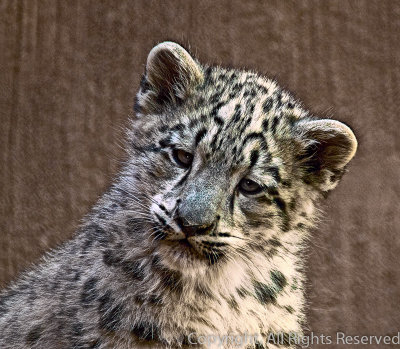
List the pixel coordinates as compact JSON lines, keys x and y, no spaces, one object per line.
{"x":186,"y":246}
{"x":192,"y":249}
{"x":184,"y":243}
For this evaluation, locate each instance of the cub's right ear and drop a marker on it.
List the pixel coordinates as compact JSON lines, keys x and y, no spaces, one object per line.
{"x":326,"y":147}
{"x":171,"y":75}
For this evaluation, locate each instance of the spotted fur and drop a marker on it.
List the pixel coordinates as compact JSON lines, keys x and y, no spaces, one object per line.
{"x":177,"y":248}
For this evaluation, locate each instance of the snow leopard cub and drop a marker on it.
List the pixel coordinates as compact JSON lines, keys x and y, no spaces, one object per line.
{"x":198,"y":242}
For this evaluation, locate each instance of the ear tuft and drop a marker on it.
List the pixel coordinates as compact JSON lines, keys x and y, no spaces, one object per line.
{"x":171,"y":75}
{"x":327,"y":147}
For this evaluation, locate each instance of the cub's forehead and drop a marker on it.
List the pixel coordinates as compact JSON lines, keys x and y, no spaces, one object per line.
{"x":233,"y":106}
{"x":238,"y":98}
{"x":222,"y":85}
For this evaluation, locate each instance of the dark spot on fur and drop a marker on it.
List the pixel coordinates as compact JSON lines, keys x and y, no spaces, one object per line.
{"x":252,"y":136}
{"x":301,"y":226}
{"x":110,"y":259}
{"x":146,"y":331}
{"x":183,"y":179}
{"x":212,"y":256}
{"x":274,"y":242}
{"x":271,"y":190}
{"x":265,"y":125}
{"x":154,"y":299}
{"x":34,"y":335}
{"x":178,"y":127}
{"x":224,"y":234}
{"x":233,"y":304}
{"x":193,"y":123}
{"x":171,"y":278}
{"x":165,"y":142}
{"x":267,"y":106}
{"x":242,"y":292}
{"x":203,"y":119}
{"x":231,"y":203}
{"x":275,"y":122}
{"x":77,"y":329}
{"x":133,"y":269}
{"x":89,"y":292}
{"x":278,"y":279}
{"x":280,"y":203}
{"x":77,"y":276}
{"x":264,"y":293}
{"x":265,"y":200}
{"x":151,"y":148}
{"x":218,"y":121}
{"x":200,"y":135}
{"x":94,"y":233}
{"x":279,"y":100}
{"x":215,"y":110}
{"x":274,"y":172}
{"x":285,"y":224}
{"x":289,"y":309}
{"x":161,"y":219}
{"x":286,"y":184}
{"x":110,"y":314}
{"x":253,"y":157}
{"x":214,"y":243}
{"x":294,"y":285}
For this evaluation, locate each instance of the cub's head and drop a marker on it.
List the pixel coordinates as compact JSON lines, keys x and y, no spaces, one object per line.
{"x":223,"y":164}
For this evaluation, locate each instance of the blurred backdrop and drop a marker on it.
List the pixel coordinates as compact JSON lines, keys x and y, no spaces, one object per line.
{"x":69,"y":71}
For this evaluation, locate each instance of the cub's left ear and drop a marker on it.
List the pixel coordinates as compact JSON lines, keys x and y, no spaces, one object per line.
{"x":171,"y":75}
{"x":327,"y":146}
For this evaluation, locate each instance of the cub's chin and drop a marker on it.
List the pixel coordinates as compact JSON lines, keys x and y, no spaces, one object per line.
{"x":185,"y":255}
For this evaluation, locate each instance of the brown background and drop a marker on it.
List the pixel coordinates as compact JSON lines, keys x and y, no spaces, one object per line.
{"x":68,"y":74}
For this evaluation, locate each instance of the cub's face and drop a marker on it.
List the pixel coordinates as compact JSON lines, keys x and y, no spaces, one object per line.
{"x":223,"y":163}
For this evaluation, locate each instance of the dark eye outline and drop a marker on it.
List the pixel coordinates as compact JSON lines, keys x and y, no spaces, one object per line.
{"x":256,"y":190}
{"x":182,"y":158}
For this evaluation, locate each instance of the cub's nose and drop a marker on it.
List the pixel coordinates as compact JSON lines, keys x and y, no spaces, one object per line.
{"x":195,"y":230}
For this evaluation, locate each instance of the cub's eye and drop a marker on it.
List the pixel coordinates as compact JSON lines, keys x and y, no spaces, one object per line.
{"x":249,"y":187}
{"x":182,"y":158}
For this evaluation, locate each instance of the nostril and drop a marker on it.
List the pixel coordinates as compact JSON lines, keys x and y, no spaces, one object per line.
{"x":181,"y":223}
{"x":194,"y":230}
